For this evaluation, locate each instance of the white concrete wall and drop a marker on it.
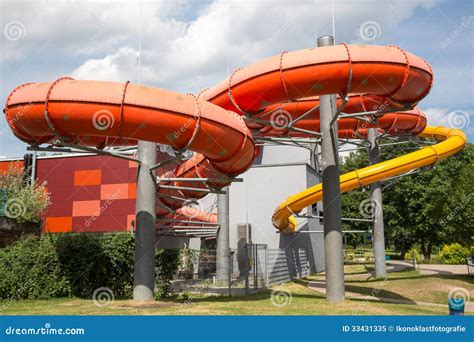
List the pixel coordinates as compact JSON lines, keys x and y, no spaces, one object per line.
{"x":264,"y":187}
{"x":255,"y":200}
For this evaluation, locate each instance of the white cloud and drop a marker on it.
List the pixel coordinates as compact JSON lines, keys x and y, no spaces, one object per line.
{"x":114,"y":67}
{"x":462,"y":119}
{"x":186,"y":45}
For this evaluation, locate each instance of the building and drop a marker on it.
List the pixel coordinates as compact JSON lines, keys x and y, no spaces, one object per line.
{"x":91,"y":193}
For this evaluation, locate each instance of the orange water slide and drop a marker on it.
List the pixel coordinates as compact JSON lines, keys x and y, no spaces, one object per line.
{"x":283,"y":87}
{"x":94,"y":113}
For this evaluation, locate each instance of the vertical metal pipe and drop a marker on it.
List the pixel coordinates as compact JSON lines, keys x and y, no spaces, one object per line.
{"x":333,"y":251}
{"x":378,"y":238}
{"x":266,"y":266}
{"x":222,"y":267}
{"x":145,"y":233}
{"x":33,"y":167}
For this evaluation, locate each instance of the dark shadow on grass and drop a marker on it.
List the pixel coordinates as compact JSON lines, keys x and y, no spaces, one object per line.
{"x":379,"y":293}
{"x":465,"y":278}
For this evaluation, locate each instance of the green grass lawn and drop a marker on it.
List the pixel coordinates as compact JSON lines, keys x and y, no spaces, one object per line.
{"x":409,"y":286}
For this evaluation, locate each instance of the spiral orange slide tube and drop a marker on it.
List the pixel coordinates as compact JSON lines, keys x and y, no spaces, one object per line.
{"x":221,"y":122}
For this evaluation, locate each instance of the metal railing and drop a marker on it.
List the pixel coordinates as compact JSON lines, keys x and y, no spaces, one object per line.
{"x":251,"y":268}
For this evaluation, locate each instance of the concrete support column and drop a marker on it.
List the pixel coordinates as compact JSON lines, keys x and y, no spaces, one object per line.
{"x":378,"y":238}
{"x":333,"y":249}
{"x":223,"y":252}
{"x":145,"y":233}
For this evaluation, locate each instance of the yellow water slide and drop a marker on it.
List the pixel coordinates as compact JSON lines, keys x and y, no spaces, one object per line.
{"x":450,"y":140}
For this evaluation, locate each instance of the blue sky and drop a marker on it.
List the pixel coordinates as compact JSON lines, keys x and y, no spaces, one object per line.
{"x":190,"y":45}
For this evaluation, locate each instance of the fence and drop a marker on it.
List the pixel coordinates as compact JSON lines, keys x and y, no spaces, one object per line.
{"x":252,"y":268}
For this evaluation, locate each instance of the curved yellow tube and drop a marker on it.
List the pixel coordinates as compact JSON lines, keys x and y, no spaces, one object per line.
{"x":451,"y":142}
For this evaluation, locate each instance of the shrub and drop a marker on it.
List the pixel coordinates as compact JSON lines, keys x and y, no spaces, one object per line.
{"x":415,"y":250}
{"x":167,"y":263}
{"x":454,"y":254}
{"x":31,"y":269}
{"x":25,"y":202}
{"x":91,"y":261}
{"x":61,"y":265}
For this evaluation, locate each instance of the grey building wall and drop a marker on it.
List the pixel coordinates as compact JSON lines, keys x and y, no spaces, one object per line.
{"x":286,"y":265}
{"x":279,"y":172}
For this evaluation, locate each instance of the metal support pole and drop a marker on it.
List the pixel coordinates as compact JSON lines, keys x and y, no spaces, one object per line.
{"x":33,"y":168}
{"x":378,"y":238}
{"x":223,"y":262}
{"x":144,"y":272}
{"x":333,"y":251}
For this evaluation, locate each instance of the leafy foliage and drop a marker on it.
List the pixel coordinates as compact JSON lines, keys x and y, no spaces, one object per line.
{"x":454,"y":254}
{"x":431,"y":208}
{"x":414,"y":251}
{"x":25,"y":202}
{"x":59,"y":265}
{"x":167,"y":263}
{"x":30,"y":268}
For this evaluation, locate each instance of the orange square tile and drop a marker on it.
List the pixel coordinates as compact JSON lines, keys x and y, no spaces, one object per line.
{"x":132,"y":164}
{"x":114,"y":191}
{"x":87,"y":177}
{"x":132,"y":190}
{"x":86,"y":208}
{"x":58,"y":224}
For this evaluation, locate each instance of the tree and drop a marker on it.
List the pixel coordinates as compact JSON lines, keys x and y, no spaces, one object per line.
{"x":431,"y":207}
{"x":23,"y":201}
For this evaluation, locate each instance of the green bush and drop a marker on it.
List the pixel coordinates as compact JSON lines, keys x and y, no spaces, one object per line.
{"x":415,"y":250}
{"x":91,"y":261}
{"x":167,"y":263}
{"x":61,"y":265}
{"x":30,"y":268}
{"x":454,"y":254}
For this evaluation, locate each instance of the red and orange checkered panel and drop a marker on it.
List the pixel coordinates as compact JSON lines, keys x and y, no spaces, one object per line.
{"x":89,"y":194}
